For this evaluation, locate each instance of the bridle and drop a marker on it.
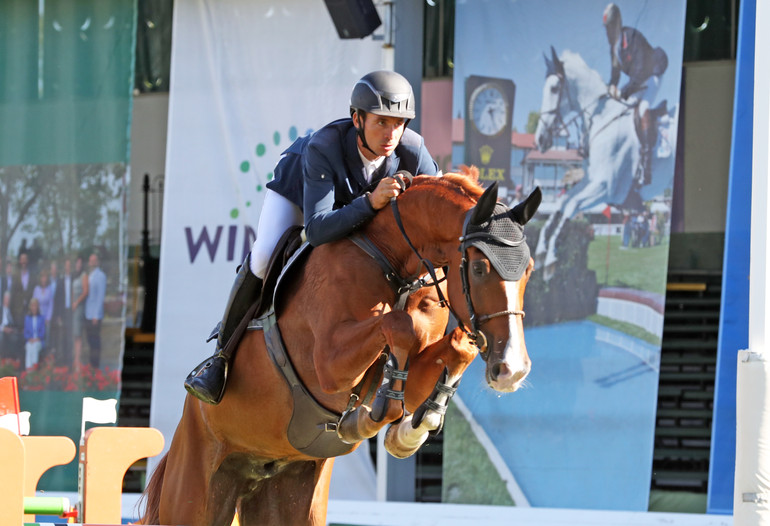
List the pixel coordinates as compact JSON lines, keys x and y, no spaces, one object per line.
{"x":466,"y":240}
{"x":582,"y":114}
{"x":558,"y":124}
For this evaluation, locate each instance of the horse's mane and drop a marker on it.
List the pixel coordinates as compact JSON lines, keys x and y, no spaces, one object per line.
{"x":577,"y":67}
{"x":453,"y":185}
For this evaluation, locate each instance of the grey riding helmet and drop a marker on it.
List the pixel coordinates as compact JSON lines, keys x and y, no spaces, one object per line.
{"x":384,"y":93}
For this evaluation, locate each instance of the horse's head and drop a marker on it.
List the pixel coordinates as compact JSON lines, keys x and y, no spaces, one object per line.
{"x":494,"y":269}
{"x":550,"y":121}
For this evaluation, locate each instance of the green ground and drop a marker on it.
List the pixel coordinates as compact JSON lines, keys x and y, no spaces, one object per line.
{"x":469,"y":477}
{"x":636,"y":268}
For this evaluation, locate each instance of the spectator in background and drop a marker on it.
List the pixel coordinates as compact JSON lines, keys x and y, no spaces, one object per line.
{"x":63,"y":301}
{"x":43,"y":293}
{"x":79,"y":295}
{"x":7,"y":278}
{"x":10,"y":335}
{"x":35,"y":254}
{"x":34,"y":333}
{"x":56,"y":323}
{"x":21,"y":288}
{"x":627,"y":230}
{"x":94,"y":310}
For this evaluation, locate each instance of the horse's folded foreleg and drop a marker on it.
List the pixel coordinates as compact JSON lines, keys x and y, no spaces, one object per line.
{"x":432,"y":411}
{"x":434,"y":375}
{"x":363,"y":422}
{"x":388,"y":406}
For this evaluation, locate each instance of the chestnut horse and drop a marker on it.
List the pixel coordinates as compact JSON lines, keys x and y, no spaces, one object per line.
{"x":337,"y":317}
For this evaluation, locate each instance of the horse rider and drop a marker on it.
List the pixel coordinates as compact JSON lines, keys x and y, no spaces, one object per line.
{"x":339,"y":176}
{"x":632,"y":54}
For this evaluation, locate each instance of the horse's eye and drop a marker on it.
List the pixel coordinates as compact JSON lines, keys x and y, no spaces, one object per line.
{"x":555,"y":89}
{"x":479,"y":268}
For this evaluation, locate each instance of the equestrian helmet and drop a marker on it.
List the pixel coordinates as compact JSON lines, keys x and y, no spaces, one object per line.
{"x":611,"y":17}
{"x":385,"y":93}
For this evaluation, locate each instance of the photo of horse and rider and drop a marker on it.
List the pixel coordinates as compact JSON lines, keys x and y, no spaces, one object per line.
{"x":585,"y":97}
{"x":594,"y":124}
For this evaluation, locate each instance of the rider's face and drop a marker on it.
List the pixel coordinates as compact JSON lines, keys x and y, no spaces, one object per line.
{"x":382,"y":134}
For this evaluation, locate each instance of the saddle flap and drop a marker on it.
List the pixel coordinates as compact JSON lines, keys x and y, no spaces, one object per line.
{"x":289,"y":244}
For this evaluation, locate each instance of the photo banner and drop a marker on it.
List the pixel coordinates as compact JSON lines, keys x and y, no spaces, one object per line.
{"x":247,"y":79}
{"x":65,"y":109}
{"x":534,"y":107}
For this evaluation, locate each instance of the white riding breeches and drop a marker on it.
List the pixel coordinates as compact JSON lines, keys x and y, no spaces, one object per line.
{"x":278,"y":214}
{"x":649,"y":95}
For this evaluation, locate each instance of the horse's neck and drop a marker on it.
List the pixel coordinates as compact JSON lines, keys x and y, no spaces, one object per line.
{"x":433,"y":230}
{"x":587,"y":92}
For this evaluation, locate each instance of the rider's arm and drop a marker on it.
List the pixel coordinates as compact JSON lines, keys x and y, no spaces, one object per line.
{"x":615,"y":74}
{"x":323,"y":223}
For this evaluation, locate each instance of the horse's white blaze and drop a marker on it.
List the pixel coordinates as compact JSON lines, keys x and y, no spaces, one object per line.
{"x":514,"y":356}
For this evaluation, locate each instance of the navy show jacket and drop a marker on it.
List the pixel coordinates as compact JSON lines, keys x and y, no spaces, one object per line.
{"x":322,"y":173}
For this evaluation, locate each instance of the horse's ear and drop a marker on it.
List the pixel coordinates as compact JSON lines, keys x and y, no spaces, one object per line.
{"x":525,"y":210}
{"x":558,"y":65}
{"x":485,"y":205}
{"x":549,"y":68}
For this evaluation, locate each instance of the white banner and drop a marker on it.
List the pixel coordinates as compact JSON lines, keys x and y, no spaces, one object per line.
{"x":247,"y":78}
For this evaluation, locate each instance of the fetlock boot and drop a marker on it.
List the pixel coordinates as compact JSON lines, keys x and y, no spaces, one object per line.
{"x":207,"y":381}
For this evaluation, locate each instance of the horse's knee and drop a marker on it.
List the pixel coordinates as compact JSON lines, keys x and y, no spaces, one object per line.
{"x":399,"y":332}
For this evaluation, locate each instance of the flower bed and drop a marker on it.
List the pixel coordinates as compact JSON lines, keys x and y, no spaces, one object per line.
{"x":47,"y":376}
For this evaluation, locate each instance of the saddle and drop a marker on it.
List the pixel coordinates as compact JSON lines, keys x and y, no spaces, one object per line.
{"x":288,"y":244}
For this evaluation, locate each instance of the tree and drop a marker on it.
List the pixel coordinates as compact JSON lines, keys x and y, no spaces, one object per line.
{"x":532,"y":120}
{"x":67,"y":208}
{"x":20,"y":188}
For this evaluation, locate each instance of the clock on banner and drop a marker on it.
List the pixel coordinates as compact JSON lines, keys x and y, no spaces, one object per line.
{"x":488,"y":126}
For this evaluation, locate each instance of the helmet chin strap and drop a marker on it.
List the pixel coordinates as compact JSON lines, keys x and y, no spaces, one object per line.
{"x":360,"y":132}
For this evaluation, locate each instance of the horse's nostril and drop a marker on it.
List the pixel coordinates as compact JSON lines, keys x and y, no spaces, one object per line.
{"x":499,"y":370}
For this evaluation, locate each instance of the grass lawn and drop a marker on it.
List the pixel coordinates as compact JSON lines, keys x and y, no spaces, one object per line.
{"x":636,"y":268}
{"x":469,"y":477}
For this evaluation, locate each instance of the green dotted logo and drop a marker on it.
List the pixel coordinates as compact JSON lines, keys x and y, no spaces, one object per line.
{"x":260,"y":168}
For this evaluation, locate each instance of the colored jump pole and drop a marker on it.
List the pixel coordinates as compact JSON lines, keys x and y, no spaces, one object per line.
{"x":46,"y":505}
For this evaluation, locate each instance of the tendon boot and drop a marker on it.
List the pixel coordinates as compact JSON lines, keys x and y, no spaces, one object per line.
{"x":207,"y":381}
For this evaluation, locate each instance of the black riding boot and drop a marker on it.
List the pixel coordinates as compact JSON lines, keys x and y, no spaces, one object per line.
{"x":207,"y":381}
{"x":646,"y":129}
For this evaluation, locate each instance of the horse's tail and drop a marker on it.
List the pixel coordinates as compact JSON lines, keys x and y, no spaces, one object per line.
{"x":151,"y":494}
